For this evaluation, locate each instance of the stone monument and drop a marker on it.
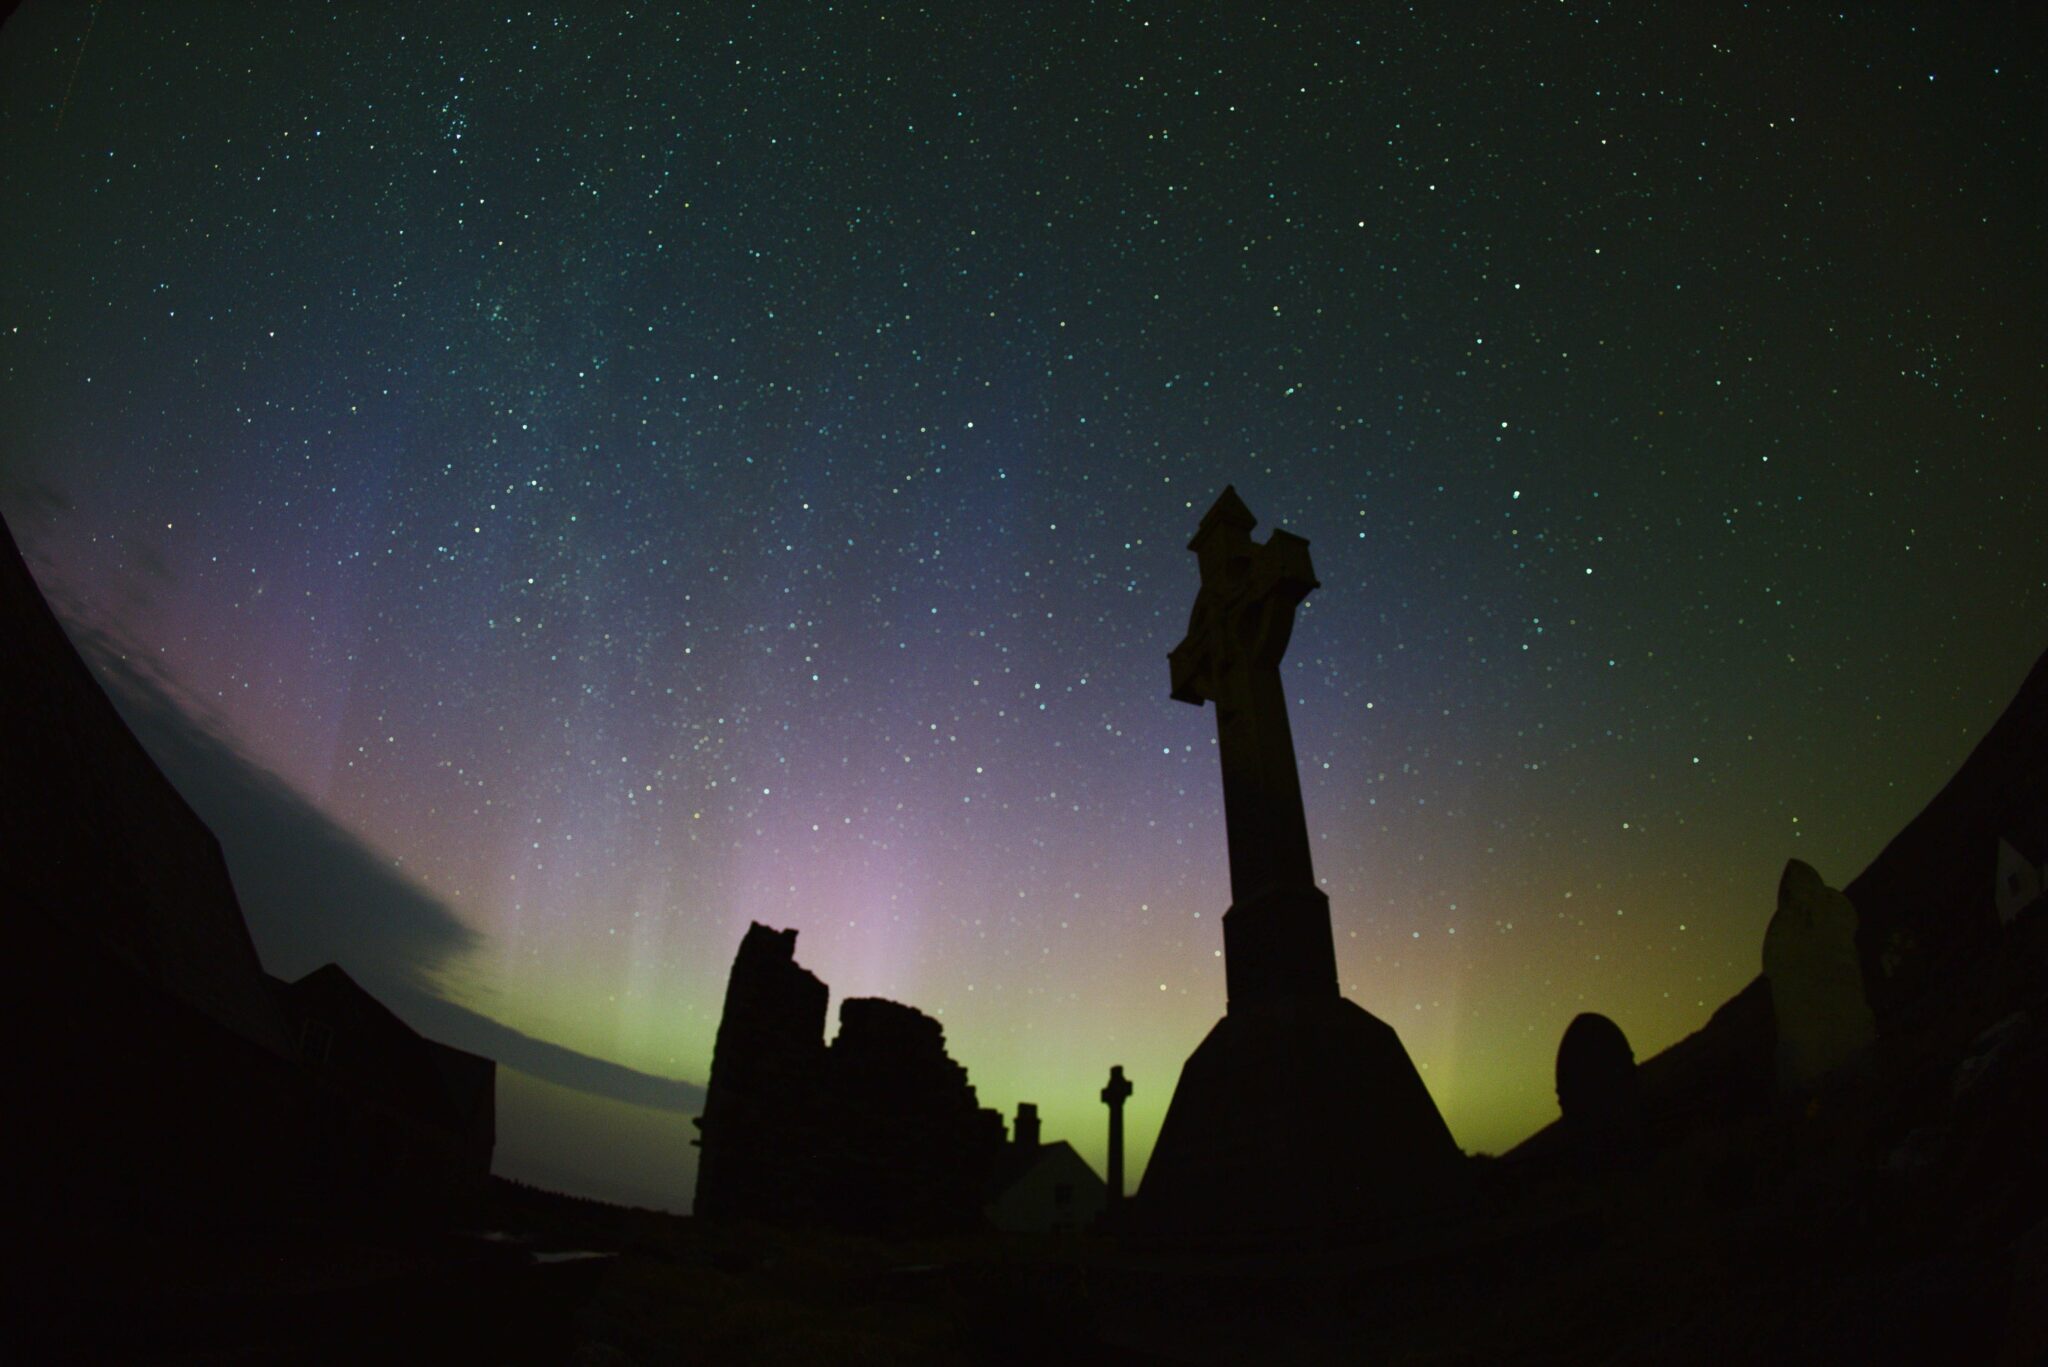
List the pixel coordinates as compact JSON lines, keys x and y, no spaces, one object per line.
{"x":1300,"y":1113}
{"x":1823,"y":1019}
{"x":1599,"y":1093}
{"x":1114,"y":1096}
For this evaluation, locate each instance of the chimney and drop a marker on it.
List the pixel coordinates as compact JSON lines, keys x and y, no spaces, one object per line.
{"x":1025,"y":1134}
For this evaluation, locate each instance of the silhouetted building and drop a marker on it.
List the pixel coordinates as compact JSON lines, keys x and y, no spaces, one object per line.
{"x":424,"y":1112}
{"x":156,"y":1070}
{"x":1044,"y":1188}
{"x":880,"y":1131}
{"x":1301,"y":1112}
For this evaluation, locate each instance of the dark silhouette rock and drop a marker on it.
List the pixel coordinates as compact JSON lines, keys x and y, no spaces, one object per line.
{"x":879,"y":1132}
{"x":1823,"y":1021}
{"x":1599,"y":1095}
{"x":1300,"y":1112}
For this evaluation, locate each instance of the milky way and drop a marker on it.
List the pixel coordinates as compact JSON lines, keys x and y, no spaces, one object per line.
{"x":648,"y":473}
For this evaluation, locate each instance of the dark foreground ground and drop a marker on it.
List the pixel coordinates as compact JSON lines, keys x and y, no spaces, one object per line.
{"x":1897,"y":1215}
{"x":1727,"y":1253}
{"x":1775,"y":1241}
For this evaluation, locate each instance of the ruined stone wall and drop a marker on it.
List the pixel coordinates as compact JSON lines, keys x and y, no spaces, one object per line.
{"x":880,"y":1132}
{"x":760,"y":1131}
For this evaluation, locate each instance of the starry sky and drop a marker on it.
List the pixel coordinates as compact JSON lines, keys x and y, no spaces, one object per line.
{"x":636,"y":470}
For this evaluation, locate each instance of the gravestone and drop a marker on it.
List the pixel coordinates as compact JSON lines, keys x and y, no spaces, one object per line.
{"x":1599,"y":1093}
{"x":1823,"y":1018}
{"x":1300,"y":1113}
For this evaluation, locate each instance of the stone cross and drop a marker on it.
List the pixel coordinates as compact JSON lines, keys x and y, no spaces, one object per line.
{"x":1113,"y":1096}
{"x":1276,"y":935}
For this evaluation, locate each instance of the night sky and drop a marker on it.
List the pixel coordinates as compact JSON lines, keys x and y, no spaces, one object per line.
{"x":637,"y":473}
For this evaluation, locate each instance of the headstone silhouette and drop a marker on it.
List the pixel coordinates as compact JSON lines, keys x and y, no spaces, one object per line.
{"x":1823,"y":1018}
{"x":1300,"y":1112}
{"x":1598,"y":1092}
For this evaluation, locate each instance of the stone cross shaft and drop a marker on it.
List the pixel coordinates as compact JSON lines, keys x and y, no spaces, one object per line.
{"x":1114,"y":1096}
{"x":1276,"y":934}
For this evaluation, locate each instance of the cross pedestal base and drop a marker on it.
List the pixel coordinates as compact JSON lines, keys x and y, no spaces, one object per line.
{"x":1298,"y":1118}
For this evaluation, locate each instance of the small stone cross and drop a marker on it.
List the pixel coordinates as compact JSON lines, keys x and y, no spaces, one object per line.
{"x":1114,"y":1096}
